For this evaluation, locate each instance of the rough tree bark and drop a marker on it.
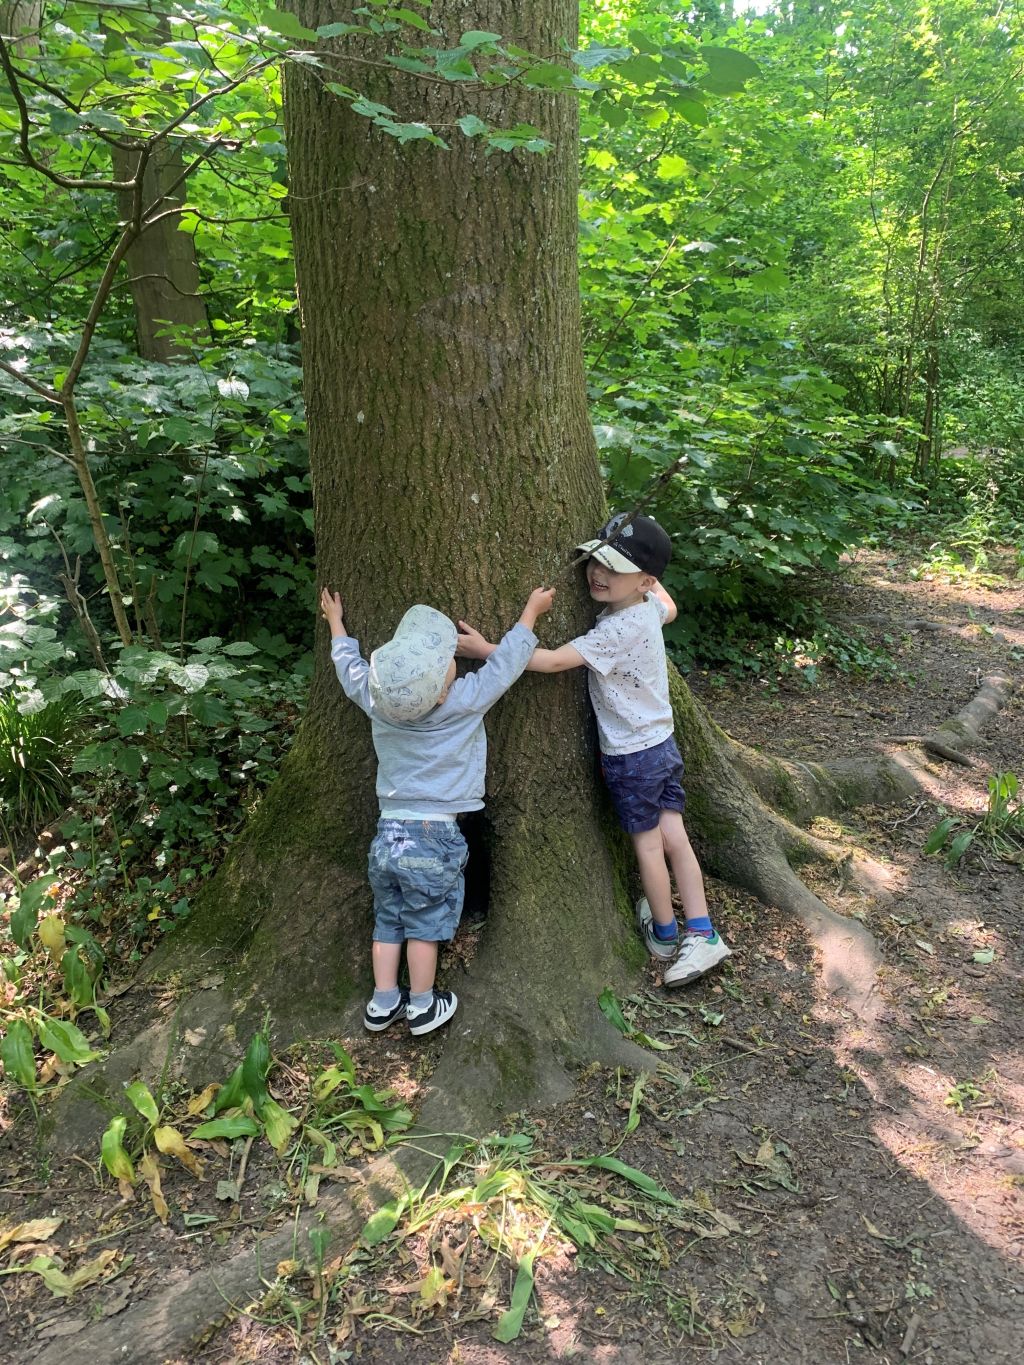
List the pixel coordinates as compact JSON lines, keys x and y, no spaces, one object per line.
{"x":453,"y":463}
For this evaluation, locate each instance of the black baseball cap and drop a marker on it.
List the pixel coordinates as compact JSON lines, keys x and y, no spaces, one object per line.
{"x":642,"y":546}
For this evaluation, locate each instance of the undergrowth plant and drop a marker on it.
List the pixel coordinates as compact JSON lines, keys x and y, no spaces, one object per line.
{"x":1000,"y":830}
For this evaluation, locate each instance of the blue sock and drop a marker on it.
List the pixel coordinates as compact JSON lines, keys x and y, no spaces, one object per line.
{"x":421,"y":1002}
{"x":700,"y":926}
{"x":386,"y":1000}
{"x":665,"y":933}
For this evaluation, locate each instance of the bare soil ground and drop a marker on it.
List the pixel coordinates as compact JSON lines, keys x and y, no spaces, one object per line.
{"x":847,"y":1195}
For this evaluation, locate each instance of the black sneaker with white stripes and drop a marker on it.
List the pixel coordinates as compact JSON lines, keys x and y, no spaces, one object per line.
{"x":438,"y":1012}
{"x":376,"y":1019}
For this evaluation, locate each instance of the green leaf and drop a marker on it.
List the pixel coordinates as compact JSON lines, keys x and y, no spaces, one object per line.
{"x":78,"y":981}
{"x":510,"y":1324}
{"x":471,"y":125}
{"x":68,"y":1042}
{"x":238,"y":1126}
{"x":285,"y":23}
{"x":937,"y":839}
{"x":115,"y":1158}
{"x":255,"y":1065}
{"x":985,"y":956}
{"x":23,"y":920}
{"x":640,"y":1179}
{"x":17,"y":1054}
{"x":383,"y":1223}
{"x":728,"y":70}
{"x":475,"y":38}
{"x":959,"y":846}
{"x":139,"y":1094}
{"x":612,"y":1011}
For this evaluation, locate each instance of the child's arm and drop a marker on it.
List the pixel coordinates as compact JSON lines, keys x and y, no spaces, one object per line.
{"x":666,"y":600}
{"x":334,"y":612}
{"x":504,"y":661}
{"x":472,"y":645}
{"x":350,"y":666}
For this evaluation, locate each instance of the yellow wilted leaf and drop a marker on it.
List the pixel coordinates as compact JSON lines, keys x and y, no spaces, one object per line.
{"x":51,"y":936}
{"x":38,"y":1230}
{"x":201,"y":1101}
{"x":93,"y":1270}
{"x":149,"y":1169}
{"x":171,"y":1143}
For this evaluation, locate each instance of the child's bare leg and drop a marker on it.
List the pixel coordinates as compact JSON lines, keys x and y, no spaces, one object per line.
{"x":685,"y":867}
{"x":422,"y":966}
{"x":386,"y":958}
{"x":649,"y":847}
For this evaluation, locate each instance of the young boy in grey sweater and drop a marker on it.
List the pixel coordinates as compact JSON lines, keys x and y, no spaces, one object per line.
{"x":428,"y":733}
{"x":624,"y":655}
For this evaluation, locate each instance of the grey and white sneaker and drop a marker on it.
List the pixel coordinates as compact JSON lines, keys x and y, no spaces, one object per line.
{"x":438,"y":1012}
{"x":657,"y":947}
{"x":696,"y":956}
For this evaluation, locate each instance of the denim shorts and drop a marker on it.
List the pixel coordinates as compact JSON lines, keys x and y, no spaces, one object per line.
{"x":644,"y":784}
{"x":415,"y":871}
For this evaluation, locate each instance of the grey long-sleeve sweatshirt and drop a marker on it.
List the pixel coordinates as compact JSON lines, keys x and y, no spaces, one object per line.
{"x":436,"y":765}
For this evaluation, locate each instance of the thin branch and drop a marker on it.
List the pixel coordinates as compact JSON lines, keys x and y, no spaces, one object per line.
{"x":51,"y":395}
{"x":155,"y":275}
{"x":25,"y":126}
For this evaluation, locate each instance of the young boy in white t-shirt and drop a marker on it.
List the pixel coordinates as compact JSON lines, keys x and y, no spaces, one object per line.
{"x":624,"y":654}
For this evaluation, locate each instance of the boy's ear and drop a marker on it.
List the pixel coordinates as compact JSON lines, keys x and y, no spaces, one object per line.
{"x":647,"y":582}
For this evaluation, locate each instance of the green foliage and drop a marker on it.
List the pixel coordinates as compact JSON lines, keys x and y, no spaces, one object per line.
{"x":35,"y":755}
{"x":1000,"y":830}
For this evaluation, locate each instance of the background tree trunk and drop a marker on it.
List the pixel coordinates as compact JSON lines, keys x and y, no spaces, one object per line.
{"x":162,"y":263}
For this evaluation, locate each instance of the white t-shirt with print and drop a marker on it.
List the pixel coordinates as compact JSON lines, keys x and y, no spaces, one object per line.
{"x":628,"y":676}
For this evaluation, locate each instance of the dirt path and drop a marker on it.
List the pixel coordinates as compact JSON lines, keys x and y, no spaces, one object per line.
{"x":850,"y":1196}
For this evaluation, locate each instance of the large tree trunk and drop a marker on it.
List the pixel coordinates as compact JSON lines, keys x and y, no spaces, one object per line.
{"x":453,"y":463}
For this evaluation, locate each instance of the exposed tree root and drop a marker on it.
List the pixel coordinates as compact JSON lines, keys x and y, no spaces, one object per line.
{"x":166,"y":1324}
{"x":759,"y":844}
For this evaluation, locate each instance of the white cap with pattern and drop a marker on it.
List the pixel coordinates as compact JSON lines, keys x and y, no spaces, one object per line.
{"x":407,"y":675}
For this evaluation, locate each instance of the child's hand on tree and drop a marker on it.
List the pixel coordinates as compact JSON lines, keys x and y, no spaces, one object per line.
{"x":541,"y":600}
{"x":471,"y":644}
{"x":334,"y":612}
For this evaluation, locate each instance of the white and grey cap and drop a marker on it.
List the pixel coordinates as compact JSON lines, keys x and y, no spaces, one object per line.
{"x":407,"y":675}
{"x":642,"y":546}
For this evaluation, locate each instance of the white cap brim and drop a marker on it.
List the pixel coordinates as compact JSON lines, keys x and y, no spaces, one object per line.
{"x":608,"y":556}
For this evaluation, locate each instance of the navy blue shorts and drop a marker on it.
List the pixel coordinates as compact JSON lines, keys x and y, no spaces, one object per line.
{"x":415,"y":873}
{"x":644,"y":784}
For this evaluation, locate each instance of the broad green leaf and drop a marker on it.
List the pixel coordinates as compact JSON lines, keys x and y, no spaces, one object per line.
{"x":115,"y":1158}
{"x":285,"y":23}
{"x":68,"y":1042}
{"x":510,"y":1324}
{"x":475,"y":38}
{"x":728,"y":70}
{"x":17,"y":1054}
{"x":612,"y":1011}
{"x":382,"y":1223}
{"x":23,"y":920}
{"x":239,"y":1126}
{"x":937,"y":839}
{"x":139,"y":1094}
